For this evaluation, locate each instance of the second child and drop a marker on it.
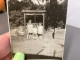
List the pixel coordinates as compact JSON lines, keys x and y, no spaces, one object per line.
{"x":40,"y":30}
{"x":34,"y":31}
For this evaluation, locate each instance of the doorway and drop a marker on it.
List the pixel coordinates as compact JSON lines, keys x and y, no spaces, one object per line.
{"x":34,"y":18}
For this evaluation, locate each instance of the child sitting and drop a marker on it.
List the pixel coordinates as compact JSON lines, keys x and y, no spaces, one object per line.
{"x":40,"y":30}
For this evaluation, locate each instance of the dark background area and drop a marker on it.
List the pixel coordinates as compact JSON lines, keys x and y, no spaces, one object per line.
{"x":55,"y":15}
{"x":35,"y":19}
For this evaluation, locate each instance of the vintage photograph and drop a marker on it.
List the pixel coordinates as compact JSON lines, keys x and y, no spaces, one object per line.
{"x":37,"y":27}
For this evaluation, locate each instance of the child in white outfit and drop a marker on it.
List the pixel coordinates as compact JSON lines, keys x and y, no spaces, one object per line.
{"x":29,"y":29}
{"x":35,"y":31}
{"x":40,"y":30}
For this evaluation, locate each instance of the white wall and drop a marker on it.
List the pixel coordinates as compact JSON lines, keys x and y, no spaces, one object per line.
{"x":73,"y":17}
{"x":72,"y":40}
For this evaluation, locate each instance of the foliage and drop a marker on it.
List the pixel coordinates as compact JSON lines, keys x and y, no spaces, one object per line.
{"x":56,"y":14}
{"x":15,"y":8}
{"x":15,"y":14}
{"x":16,"y":19}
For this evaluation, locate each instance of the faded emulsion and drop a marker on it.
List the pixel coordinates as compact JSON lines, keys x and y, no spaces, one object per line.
{"x":37,"y":27}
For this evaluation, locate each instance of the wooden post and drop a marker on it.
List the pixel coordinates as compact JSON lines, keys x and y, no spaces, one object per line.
{"x":43,"y":24}
{"x":43,"y":20}
{"x":35,"y":18}
{"x":25,"y":24}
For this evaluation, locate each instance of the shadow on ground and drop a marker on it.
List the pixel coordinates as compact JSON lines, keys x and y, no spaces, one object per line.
{"x":33,"y":56}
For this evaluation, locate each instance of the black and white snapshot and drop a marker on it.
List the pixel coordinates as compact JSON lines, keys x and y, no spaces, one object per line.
{"x":37,"y":27}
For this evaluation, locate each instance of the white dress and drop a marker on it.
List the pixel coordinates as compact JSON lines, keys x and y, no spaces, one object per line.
{"x":40,"y":29}
{"x":29,"y":28}
{"x":34,"y":30}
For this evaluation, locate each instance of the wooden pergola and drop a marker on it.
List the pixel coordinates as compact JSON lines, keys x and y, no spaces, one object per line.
{"x":34,"y":12}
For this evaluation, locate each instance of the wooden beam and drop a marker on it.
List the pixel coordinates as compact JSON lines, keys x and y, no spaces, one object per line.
{"x":33,"y":11}
{"x":34,"y":14}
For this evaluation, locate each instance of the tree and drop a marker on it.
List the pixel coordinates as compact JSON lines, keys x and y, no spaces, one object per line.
{"x":15,"y":8}
{"x":56,"y":14}
{"x":14,"y":5}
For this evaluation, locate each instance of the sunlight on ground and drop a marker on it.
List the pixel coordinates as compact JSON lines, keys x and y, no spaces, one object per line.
{"x":46,"y":46}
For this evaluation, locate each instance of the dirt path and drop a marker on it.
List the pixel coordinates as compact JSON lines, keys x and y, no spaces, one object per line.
{"x":47,"y":46}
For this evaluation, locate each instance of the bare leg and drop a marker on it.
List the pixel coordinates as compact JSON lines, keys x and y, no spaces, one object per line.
{"x":27,"y":36}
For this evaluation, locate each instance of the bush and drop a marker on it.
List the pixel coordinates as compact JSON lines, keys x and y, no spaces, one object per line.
{"x":16,"y":19}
